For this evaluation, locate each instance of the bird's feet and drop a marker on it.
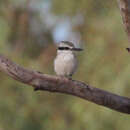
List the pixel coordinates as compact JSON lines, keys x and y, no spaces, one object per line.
{"x":66,"y":77}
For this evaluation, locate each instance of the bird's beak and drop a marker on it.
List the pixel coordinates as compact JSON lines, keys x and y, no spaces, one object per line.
{"x":77,"y":49}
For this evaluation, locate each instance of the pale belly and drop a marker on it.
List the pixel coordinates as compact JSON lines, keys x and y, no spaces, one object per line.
{"x":65,"y":65}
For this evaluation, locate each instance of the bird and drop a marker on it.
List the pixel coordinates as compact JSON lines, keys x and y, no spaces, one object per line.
{"x":65,"y":63}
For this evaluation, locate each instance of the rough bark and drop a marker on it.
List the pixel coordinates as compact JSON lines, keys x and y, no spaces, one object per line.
{"x":63,"y":85}
{"x":125,"y":12}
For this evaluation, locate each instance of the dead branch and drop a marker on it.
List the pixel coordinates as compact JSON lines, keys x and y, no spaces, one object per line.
{"x":63,"y":85}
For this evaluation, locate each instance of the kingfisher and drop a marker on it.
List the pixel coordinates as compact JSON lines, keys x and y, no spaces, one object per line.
{"x":65,"y":63}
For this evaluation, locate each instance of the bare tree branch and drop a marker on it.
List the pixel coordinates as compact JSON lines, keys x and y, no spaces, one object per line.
{"x":125,"y":12}
{"x":63,"y":85}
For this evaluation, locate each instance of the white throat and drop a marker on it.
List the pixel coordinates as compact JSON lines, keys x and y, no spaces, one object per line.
{"x":64,"y":52}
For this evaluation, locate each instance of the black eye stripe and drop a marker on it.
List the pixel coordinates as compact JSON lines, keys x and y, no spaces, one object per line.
{"x":63,"y":48}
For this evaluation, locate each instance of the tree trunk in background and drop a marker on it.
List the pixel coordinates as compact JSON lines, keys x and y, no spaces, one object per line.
{"x":125,"y":12}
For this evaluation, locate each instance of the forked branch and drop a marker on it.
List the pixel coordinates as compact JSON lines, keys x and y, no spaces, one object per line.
{"x":63,"y":85}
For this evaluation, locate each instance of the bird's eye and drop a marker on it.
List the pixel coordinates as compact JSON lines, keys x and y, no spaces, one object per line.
{"x":67,"y":48}
{"x":63,"y":48}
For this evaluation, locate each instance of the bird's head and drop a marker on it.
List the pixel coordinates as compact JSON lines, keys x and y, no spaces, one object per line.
{"x":66,"y":46}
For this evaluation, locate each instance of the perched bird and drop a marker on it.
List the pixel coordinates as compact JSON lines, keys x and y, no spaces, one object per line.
{"x":65,"y":63}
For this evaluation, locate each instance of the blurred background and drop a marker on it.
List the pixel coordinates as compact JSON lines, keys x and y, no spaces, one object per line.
{"x":29,"y":32}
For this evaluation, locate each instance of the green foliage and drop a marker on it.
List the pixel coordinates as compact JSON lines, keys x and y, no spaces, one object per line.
{"x":103,"y":64}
